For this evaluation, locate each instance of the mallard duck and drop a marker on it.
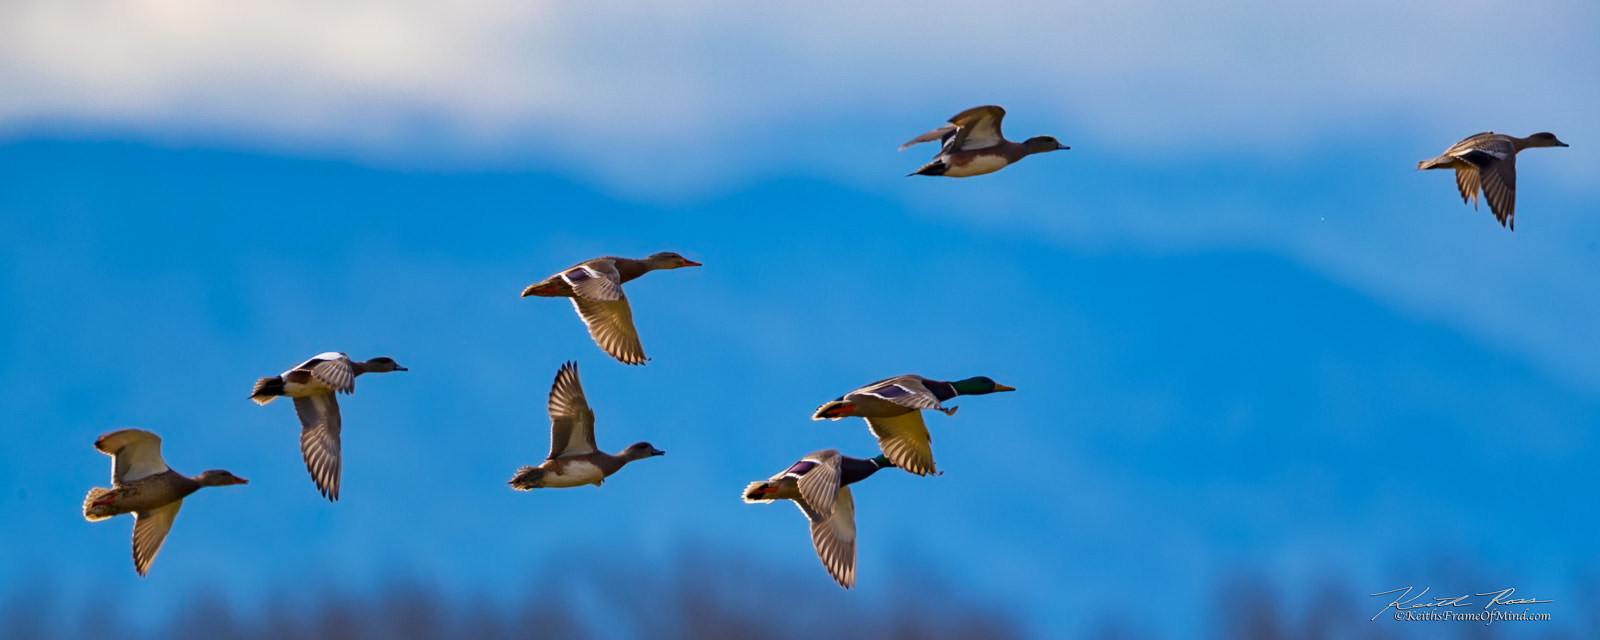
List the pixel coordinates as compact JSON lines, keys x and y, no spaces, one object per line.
{"x":973,"y":145}
{"x":595,"y":287}
{"x":574,"y":459}
{"x":1488,"y":162}
{"x":313,"y":385}
{"x":142,"y":484}
{"x":893,"y":410}
{"x":818,"y":484}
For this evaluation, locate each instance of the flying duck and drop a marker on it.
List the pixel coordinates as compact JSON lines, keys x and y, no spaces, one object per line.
{"x":974,"y":146}
{"x":818,"y":485}
{"x":595,"y":287}
{"x":1488,"y":162}
{"x":142,"y":484}
{"x":313,"y":384}
{"x":574,"y":459}
{"x":893,"y":410}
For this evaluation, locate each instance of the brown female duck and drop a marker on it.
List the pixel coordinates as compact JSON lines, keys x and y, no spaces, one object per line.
{"x":1488,"y":162}
{"x":142,"y":484}
{"x":595,"y":287}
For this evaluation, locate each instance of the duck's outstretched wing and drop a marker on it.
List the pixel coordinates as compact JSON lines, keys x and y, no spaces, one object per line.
{"x":320,"y":425}
{"x":149,"y":531}
{"x":906,"y":441}
{"x":611,"y":326}
{"x":571,"y":419}
{"x":835,"y":539}
{"x":135,"y":454}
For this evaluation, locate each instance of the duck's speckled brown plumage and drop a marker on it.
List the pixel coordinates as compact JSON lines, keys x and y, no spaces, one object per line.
{"x":595,"y":288}
{"x":143,"y":485}
{"x":1487,"y":162}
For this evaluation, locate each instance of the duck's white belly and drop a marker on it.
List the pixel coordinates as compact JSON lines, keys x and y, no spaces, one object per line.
{"x":977,"y":166}
{"x":575,"y":473}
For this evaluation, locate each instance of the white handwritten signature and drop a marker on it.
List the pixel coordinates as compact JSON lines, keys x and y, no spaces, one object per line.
{"x":1402,"y":603}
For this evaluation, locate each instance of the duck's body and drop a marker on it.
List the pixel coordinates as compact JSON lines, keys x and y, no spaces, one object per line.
{"x":575,"y":460}
{"x":314,"y":385}
{"x":818,"y":485}
{"x":595,"y":287}
{"x":142,"y":484}
{"x":1487,"y":162}
{"x":893,"y":410}
{"x":973,"y":145}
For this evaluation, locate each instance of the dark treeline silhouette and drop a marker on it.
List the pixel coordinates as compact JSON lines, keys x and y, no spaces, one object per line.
{"x":706,"y":595}
{"x":698,"y":595}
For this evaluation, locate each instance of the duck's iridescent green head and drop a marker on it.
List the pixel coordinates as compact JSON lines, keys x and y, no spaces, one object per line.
{"x":883,"y":462}
{"x":979,"y":386}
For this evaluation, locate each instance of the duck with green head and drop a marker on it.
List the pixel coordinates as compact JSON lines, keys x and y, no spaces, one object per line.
{"x":818,"y":484}
{"x":893,"y":411}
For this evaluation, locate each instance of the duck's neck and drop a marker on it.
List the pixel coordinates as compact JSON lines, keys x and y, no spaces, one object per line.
{"x":628,"y":269}
{"x":941,"y":389}
{"x":853,"y":470}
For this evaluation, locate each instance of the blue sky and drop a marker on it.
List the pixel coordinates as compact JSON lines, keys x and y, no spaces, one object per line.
{"x":1246,"y":335}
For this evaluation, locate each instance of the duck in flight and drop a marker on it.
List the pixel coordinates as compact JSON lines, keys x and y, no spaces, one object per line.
{"x":973,"y":145}
{"x":819,"y":485}
{"x":142,"y":484}
{"x":893,"y":410}
{"x":575,"y":460}
{"x":595,"y":287}
{"x":313,"y":385}
{"x":1487,"y":162}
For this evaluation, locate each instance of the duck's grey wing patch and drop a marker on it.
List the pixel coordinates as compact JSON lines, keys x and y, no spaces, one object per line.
{"x":906,"y":391}
{"x":835,"y":540}
{"x":906,"y":441}
{"x":571,"y":419}
{"x":337,"y":373}
{"x":611,"y":326}
{"x":596,"y":280}
{"x":320,"y":425}
{"x":819,"y":485}
{"x":149,"y":531}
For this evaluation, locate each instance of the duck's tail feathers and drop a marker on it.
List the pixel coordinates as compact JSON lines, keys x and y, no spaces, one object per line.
{"x":935,"y":168}
{"x":267,"y":389}
{"x":1435,"y":163}
{"x":834,"y":410}
{"x":97,"y":506}
{"x":763,"y":491}
{"x":527,"y":478}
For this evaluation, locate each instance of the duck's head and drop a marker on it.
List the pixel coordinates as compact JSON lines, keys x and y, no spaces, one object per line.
{"x":669,"y":260}
{"x":978,"y":386}
{"x":219,"y":478}
{"x":1544,"y":139}
{"x":382,"y":364}
{"x":1041,"y":144}
{"x":641,"y":450}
